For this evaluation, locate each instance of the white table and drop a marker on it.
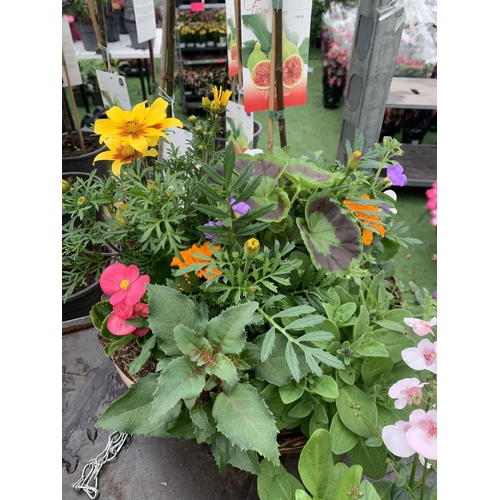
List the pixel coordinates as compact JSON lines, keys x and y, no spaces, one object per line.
{"x":122,"y":49}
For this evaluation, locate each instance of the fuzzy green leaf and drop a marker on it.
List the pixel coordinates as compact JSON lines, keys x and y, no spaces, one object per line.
{"x":221,"y":366}
{"x":306,"y":175}
{"x":325,"y":386}
{"x":373,"y":349}
{"x":371,"y":459}
{"x":225,"y":453}
{"x":226,"y":332}
{"x":130,"y":413}
{"x":192,"y":344}
{"x":181,"y":379}
{"x":343,"y":439}
{"x":357,"y":424}
{"x":268,"y":344}
{"x":351,"y":478}
{"x":167,"y":309}
{"x":243,"y":417}
{"x":292,"y":361}
{"x":137,"y":363}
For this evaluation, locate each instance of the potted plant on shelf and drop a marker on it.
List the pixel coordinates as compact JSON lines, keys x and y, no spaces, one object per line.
{"x":261,"y":287}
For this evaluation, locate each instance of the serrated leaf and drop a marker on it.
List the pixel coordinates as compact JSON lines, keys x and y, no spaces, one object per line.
{"x":130,"y":413}
{"x":181,"y":379}
{"x":221,"y":366}
{"x":167,"y":309}
{"x":243,"y":417}
{"x":306,"y":175}
{"x":192,"y":344}
{"x":226,"y":332}
{"x":244,"y":460}
{"x":317,"y":336}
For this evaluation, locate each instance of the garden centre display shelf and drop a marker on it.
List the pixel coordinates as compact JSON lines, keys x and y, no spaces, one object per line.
{"x":123,"y":50}
{"x":419,"y":160}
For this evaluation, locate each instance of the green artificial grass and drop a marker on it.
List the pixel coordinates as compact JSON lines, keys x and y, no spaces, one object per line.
{"x":316,"y":128}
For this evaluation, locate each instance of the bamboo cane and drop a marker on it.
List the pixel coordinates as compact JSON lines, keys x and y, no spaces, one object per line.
{"x":270,"y":131}
{"x":280,"y":102}
{"x":73,"y":103}
{"x":170,"y":47}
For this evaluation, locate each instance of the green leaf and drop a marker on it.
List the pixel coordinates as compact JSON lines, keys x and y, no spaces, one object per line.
{"x":268,"y":344}
{"x":167,"y":309}
{"x":111,"y":348}
{"x":325,"y":386}
{"x":294,"y":312}
{"x":228,"y":164}
{"x":243,"y":417}
{"x":302,"y":495}
{"x":226,"y":332}
{"x":301,"y":410}
{"x":224,"y":453}
{"x":391,"y":325}
{"x":181,"y":379}
{"x":343,"y":439}
{"x":145,"y":354}
{"x":290,"y":392}
{"x":371,"y":459}
{"x":393,"y":341}
{"x":301,"y":323}
{"x":333,"y":241}
{"x":351,"y":478}
{"x":221,"y":366}
{"x":351,"y":394}
{"x":362,"y":322}
{"x":213,"y":212}
{"x":292,"y":361}
{"x":130,"y":413}
{"x":283,"y":486}
{"x":268,"y":472}
{"x":373,"y":349}
{"x":192,"y":344}
{"x":210,"y":193}
{"x":383,"y":488}
{"x":100,"y":312}
{"x":368,"y":490}
{"x":373,"y":368}
{"x":316,"y":465}
{"x":306,"y":175}
{"x":275,"y":369}
{"x":345,"y":312}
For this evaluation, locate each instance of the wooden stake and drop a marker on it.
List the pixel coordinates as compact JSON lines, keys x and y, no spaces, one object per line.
{"x":237,"y":10}
{"x":170,"y":52}
{"x":270,"y":131}
{"x":280,"y":102}
{"x":73,"y":103}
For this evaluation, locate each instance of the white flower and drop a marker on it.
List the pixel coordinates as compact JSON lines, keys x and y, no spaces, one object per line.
{"x":416,"y":12}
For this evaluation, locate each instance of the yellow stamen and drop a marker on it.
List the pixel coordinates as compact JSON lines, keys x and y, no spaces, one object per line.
{"x":132,"y":127}
{"x":124,"y":284}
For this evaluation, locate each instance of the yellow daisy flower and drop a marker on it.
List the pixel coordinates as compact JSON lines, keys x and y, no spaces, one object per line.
{"x":142,"y":126}
{"x":121,"y":152}
{"x":220,"y":97}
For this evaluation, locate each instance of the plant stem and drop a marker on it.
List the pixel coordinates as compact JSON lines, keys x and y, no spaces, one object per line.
{"x":422,"y":486}
{"x":413,"y":470}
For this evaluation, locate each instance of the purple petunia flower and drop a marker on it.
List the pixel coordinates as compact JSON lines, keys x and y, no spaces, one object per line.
{"x":396,"y":176}
{"x":434,"y":295}
{"x":209,"y":236}
{"x":240,"y":208}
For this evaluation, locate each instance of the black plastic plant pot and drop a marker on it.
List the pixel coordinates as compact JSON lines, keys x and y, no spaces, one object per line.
{"x":79,"y":304}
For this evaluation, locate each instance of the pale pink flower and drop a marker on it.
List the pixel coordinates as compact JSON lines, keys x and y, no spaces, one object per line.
{"x":422,"y":357}
{"x":394,"y":437}
{"x":421,"y":327}
{"x":406,"y":391}
{"x":422,"y":435}
{"x":123,"y":283}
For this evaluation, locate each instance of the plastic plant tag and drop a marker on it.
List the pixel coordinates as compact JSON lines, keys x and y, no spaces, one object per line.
{"x":145,"y":20}
{"x":197,"y":6}
{"x":75,"y":76}
{"x":239,"y":127}
{"x":114,"y":90}
{"x":256,"y":24}
{"x":179,"y":138}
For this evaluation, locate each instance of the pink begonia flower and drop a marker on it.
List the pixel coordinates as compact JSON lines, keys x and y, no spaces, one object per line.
{"x":394,"y":437}
{"x":117,"y":324}
{"x":422,"y":434}
{"x":123,"y":283}
{"x":422,"y":357}
{"x":406,"y":391}
{"x":421,"y":327}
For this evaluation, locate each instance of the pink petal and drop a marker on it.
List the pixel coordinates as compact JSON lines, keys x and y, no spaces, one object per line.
{"x":118,"y":297}
{"x":117,"y":325}
{"x":122,"y":310}
{"x":140,"y":332}
{"x":414,"y":358}
{"x":394,"y":437}
{"x":132,"y":273}
{"x":422,"y":443}
{"x":111,"y":278}
{"x":136,"y":290}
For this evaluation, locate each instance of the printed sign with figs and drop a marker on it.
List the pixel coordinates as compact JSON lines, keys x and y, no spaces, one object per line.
{"x":256,"y":25}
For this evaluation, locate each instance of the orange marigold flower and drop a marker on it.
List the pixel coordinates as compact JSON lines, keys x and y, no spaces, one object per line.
{"x":368,"y":219}
{"x":189,"y":259}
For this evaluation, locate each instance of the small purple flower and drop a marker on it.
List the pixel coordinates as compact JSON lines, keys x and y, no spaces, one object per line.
{"x":435,"y":295}
{"x":240,"y":208}
{"x":209,"y":236}
{"x":396,"y":176}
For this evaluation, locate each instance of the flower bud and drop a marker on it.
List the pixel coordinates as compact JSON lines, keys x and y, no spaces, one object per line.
{"x":192,"y":119}
{"x":354,"y":160}
{"x":235,"y":255}
{"x":65,"y":185}
{"x":205,"y":103}
{"x":81,"y":200}
{"x":215,"y":107}
{"x":252,"y":247}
